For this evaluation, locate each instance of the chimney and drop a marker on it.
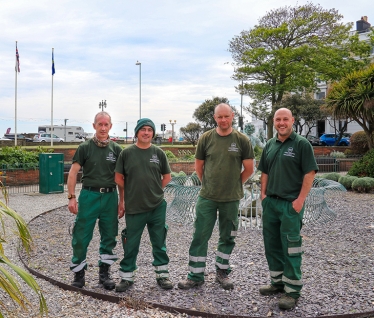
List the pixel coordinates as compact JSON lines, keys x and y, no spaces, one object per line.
{"x":363,"y":25}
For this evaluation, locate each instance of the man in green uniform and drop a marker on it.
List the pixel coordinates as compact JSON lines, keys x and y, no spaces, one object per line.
{"x":288,"y":168}
{"x":221,"y":154}
{"x":142,"y":172}
{"x":98,"y":200}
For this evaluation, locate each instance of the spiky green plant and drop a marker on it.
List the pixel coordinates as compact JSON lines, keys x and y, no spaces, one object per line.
{"x":8,"y":283}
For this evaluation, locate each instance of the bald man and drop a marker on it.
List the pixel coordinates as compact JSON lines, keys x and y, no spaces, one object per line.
{"x":288,"y":168}
{"x":220,"y":155}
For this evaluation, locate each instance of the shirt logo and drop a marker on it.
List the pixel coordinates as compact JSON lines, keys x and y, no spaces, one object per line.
{"x":111,"y":157}
{"x":154,"y":159}
{"x":233,"y":147}
{"x":289,"y":153}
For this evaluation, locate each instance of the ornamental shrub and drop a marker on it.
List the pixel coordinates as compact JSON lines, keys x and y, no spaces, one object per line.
{"x":363,"y":167}
{"x":16,"y":157}
{"x":258,"y":152}
{"x":174,"y":174}
{"x":169,"y":154}
{"x":347,"y":181}
{"x":359,"y":142}
{"x":337,"y":154}
{"x":361,"y":185}
{"x":334,"y":176}
{"x":370,"y":181}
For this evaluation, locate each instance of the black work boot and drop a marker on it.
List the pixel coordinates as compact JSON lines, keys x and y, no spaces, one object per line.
{"x":78,"y":279}
{"x":105,"y":278}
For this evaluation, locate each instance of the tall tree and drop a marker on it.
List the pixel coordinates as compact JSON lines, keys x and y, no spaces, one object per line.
{"x":353,"y":97}
{"x":288,"y":49}
{"x":191,"y":132}
{"x":306,"y":111}
{"x":204,"y":113}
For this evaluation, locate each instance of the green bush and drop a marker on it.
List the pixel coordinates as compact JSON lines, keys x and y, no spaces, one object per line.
{"x":347,"y":181}
{"x":334,"y":176}
{"x":16,"y":157}
{"x":174,"y":174}
{"x":363,"y":167}
{"x":348,"y":152}
{"x":359,"y":142}
{"x":361,"y":185}
{"x":370,"y":181}
{"x":188,"y":157}
{"x":258,"y":152}
{"x":169,"y":154}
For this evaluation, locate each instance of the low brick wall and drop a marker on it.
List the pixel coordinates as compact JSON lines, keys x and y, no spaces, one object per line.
{"x":19,"y":177}
{"x":325,"y":151}
{"x":187,"y":167}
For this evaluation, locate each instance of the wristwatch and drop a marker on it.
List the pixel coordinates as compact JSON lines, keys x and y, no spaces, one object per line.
{"x":71,"y":196}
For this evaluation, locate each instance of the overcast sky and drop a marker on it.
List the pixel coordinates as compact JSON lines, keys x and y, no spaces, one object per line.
{"x":182,"y":47}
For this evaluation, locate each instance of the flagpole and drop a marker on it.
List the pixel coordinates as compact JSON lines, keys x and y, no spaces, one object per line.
{"x":15,"y":99}
{"x":52,"y":104}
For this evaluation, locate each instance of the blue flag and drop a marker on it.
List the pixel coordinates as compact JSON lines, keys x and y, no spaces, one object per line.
{"x":53,"y":64}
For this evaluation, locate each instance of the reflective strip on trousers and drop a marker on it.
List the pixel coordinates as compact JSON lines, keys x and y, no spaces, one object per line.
{"x":197,"y":258}
{"x":127,"y":275}
{"x":196,"y":270}
{"x":108,"y":259}
{"x":289,"y":290}
{"x":292,"y":281}
{"x":223,"y":255}
{"x":78,"y":267}
{"x":161,"y":268}
{"x":222,"y":266}
{"x":295,"y":250}
{"x":275,"y":273}
{"x":162,"y":275}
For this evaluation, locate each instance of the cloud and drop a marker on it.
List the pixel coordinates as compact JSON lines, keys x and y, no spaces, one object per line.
{"x":182,"y":47}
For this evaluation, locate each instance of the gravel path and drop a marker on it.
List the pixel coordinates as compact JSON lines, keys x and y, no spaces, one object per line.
{"x":338,"y":266}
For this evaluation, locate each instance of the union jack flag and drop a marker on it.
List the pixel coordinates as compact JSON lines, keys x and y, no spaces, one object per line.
{"x":17,"y":61}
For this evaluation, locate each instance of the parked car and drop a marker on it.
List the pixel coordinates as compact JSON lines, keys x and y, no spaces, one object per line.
{"x":314,"y":141}
{"x":19,"y":137}
{"x":3,"y":138}
{"x":329,"y":140}
{"x":47,"y":138}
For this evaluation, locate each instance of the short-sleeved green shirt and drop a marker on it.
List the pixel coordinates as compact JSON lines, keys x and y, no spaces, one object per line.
{"x":142,"y":169}
{"x":98,"y":163}
{"x":223,"y":156}
{"x":286,"y":164}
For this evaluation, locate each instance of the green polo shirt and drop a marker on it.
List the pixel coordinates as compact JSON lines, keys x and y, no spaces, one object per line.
{"x":97,"y":163}
{"x":223,"y":156}
{"x":142,"y":169}
{"x":286,"y":163}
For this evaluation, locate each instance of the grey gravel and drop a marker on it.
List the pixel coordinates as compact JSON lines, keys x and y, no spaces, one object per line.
{"x":338,"y":266}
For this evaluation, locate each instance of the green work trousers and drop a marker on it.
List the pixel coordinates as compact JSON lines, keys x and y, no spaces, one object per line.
{"x":94,"y":206}
{"x":131,"y":236}
{"x":206,"y":216}
{"x":283,"y":244}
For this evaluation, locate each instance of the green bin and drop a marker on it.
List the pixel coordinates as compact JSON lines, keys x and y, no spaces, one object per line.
{"x":51,"y":173}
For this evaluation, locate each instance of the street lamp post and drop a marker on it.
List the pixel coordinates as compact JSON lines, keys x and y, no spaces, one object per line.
{"x":140,"y":88}
{"x":65,"y":120}
{"x":172,"y":130}
{"x":102,"y":105}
